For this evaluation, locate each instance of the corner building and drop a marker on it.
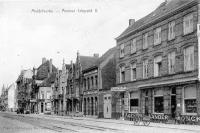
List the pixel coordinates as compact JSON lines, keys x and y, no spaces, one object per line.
{"x":158,"y":62}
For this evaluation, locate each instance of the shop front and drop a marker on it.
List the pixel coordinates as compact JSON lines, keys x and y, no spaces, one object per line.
{"x":171,"y":102}
{"x":119,"y":102}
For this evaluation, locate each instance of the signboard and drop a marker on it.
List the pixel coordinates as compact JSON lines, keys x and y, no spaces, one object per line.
{"x":119,"y":89}
{"x":90,"y":92}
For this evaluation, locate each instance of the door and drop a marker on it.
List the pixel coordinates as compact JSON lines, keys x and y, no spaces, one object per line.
{"x":173,"y":102}
{"x":42,"y":107}
{"x":107,"y":106}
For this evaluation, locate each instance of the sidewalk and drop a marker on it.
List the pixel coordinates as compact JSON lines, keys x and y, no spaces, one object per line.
{"x":124,"y":122}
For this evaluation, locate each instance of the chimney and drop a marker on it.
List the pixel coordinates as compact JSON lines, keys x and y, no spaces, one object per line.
{"x":44,"y":60}
{"x":96,"y":55}
{"x":131,"y":22}
{"x":50,"y":66}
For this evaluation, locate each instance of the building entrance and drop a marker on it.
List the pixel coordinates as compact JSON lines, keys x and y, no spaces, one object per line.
{"x":173,"y":102}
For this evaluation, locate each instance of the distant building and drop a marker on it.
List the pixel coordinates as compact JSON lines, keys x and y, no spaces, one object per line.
{"x":98,"y":78}
{"x":44,"y":77}
{"x":12,"y":97}
{"x":23,"y":86}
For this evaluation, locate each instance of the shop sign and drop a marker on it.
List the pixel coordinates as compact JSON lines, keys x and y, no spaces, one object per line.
{"x":190,"y":118}
{"x":159,"y":116}
{"x":90,"y":92}
{"x":121,"y":89}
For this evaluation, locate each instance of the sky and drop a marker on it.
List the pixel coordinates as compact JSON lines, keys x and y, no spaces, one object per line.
{"x":60,"y":30}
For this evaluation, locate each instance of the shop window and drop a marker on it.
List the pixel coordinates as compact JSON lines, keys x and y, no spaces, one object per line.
{"x":133,"y":46}
{"x":158,"y":101}
{"x":133,"y":71}
{"x":190,"y":102}
{"x":189,"y":58}
{"x":145,"y":41}
{"x":188,"y":24}
{"x":134,"y":101}
{"x":171,"y":62}
{"x":157,"y":66}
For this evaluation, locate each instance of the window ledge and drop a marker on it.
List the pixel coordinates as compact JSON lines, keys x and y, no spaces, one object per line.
{"x":188,"y":33}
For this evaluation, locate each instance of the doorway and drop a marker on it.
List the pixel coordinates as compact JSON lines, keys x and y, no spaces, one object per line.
{"x":146,"y":108}
{"x":107,"y":106}
{"x":42,"y":108}
{"x":173,"y":102}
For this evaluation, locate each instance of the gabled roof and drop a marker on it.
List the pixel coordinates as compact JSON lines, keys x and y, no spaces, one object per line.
{"x":163,"y":9}
{"x":44,"y":69}
{"x":107,"y":54}
{"x":88,"y":61}
{"x":48,"y":81}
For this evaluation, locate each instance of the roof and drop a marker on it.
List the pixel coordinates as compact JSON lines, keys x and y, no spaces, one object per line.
{"x":164,"y":8}
{"x":107,"y":54}
{"x":44,"y":69}
{"x":48,"y":81}
{"x":88,"y":61}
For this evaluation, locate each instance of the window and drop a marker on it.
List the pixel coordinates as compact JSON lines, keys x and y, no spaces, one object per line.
{"x":133,"y":46}
{"x":158,"y":101}
{"x":85,"y":84}
{"x":134,"y":101}
{"x":133,"y":71}
{"x":92,"y":82}
{"x":145,"y":41}
{"x":171,"y":30}
{"x":157,"y":36}
{"x":190,"y":102}
{"x":88,"y":80}
{"x":121,"y":50}
{"x":48,"y":95}
{"x":189,"y":58}
{"x":171,"y":62}
{"x":145,"y":69}
{"x":96,"y":81}
{"x":42,"y":92}
{"x":122,"y":74}
{"x":188,"y":24}
{"x":157,"y":66}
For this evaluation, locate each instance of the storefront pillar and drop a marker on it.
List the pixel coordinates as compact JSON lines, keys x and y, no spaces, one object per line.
{"x":167,"y":105}
{"x":198,"y":98}
{"x":179,"y":105}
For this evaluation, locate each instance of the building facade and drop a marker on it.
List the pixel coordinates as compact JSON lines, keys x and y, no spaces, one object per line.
{"x":23,"y":89}
{"x":157,"y":63}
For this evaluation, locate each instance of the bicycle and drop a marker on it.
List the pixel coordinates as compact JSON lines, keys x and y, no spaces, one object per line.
{"x":138,"y":118}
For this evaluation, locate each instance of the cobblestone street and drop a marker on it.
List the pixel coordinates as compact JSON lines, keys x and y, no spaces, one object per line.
{"x":11,"y":122}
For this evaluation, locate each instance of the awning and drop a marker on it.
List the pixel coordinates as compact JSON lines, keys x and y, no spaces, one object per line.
{"x":168,"y":83}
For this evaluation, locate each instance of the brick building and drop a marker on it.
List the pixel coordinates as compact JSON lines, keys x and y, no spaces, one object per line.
{"x":98,"y":79}
{"x":43,"y":78}
{"x":157,"y":62}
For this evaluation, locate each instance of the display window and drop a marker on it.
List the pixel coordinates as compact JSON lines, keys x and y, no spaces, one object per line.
{"x":158,"y":101}
{"x":190,"y":102}
{"x":134,"y":101}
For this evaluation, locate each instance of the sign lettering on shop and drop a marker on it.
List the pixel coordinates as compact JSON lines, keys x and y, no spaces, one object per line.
{"x":189,"y":118}
{"x":159,"y":116}
{"x":118,"y":89}
{"x":90,"y":92}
